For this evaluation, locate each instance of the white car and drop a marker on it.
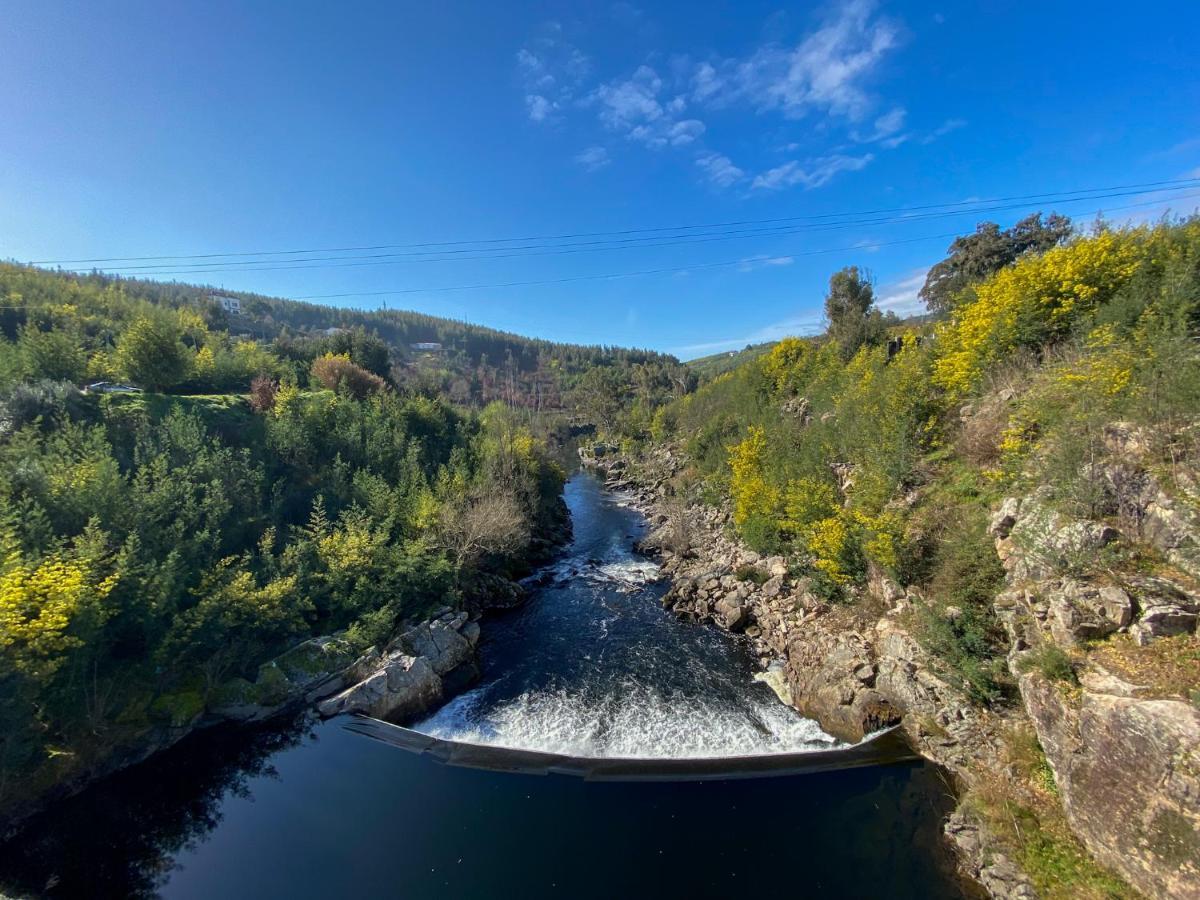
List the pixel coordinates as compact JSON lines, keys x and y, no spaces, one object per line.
{"x":111,"y":387}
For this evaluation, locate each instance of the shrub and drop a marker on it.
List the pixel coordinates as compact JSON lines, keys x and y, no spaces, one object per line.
{"x":1051,"y":661}
{"x":338,"y":373}
{"x":263,"y":390}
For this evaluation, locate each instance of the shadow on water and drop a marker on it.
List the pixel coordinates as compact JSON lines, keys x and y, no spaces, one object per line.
{"x":317,"y":811}
{"x":309,"y":809}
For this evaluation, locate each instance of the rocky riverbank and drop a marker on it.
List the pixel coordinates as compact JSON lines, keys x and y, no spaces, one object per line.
{"x":852,"y":671}
{"x":1124,"y":751}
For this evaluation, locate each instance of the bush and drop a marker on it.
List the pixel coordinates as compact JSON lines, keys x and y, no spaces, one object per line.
{"x":263,"y":390}
{"x":1052,"y":662}
{"x":339,"y":374}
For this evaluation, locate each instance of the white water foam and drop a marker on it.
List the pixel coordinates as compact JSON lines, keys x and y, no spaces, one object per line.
{"x":638,"y":724}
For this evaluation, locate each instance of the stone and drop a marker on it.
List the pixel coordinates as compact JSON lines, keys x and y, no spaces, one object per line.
{"x":772,"y":587}
{"x":402,"y":687}
{"x":1004,"y":518}
{"x":1082,"y":612}
{"x":775,"y":565}
{"x":1128,"y":771}
{"x":471,"y":632}
{"x":731,"y":612}
{"x":438,"y":642}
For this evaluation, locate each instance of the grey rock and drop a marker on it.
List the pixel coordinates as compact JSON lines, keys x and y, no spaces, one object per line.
{"x":403,"y":686}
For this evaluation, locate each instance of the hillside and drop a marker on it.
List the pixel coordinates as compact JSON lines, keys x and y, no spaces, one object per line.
{"x":986,"y":529}
{"x":709,"y":367}
{"x":471,"y":365}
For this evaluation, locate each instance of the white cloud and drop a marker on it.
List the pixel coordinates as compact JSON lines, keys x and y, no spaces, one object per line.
{"x":593,"y":158}
{"x":538,"y":107}
{"x":944,"y":129}
{"x":890,"y":122}
{"x":626,"y":104}
{"x":751,"y":263}
{"x":885,"y":130}
{"x":720,"y":169}
{"x":826,"y":71}
{"x":901,"y":297}
{"x":775,"y":331}
{"x":632,"y":106}
{"x":551,"y":70}
{"x":813,"y":174}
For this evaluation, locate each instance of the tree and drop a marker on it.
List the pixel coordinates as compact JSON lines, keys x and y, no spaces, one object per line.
{"x":849,"y":306}
{"x":974,"y":257}
{"x":483,"y":524}
{"x":600,"y":396}
{"x":151,"y":354}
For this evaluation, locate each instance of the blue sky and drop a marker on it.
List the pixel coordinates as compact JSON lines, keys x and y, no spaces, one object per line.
{"x":154,"y":129}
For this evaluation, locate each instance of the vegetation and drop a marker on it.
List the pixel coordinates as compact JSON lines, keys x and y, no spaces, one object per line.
{"x":68,"y":327}
{"x":155,"y":548}
{"x":881,"y":446}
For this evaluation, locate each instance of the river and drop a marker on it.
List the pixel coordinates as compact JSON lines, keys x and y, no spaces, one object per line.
{"x":591,"y":666}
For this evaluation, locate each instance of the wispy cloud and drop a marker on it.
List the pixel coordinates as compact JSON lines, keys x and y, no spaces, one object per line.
{"x":720,"y":169}
{"x":812,"y":174}
{"x":944,"y":129}
{"x":800,"y":325}
{"x":826,"y":71}
{"x":593,"y":158}
{"x":751,"y":263}
{"x":1191,"y":145}
{"x":664,"y":103}
{"x":901,"y":296}
{"x":551,"y":70}
{"x":636,"y":107}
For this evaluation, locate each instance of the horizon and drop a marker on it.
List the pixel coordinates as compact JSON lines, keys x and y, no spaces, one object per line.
{"x":212,"y":133}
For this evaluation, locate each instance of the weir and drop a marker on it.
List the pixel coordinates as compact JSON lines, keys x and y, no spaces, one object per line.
{"x":883,"y":748}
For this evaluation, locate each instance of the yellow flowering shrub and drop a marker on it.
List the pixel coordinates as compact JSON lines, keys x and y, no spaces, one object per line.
{"x":1031,"y":302}
{"x":39,"y":602}
{"x":752,"y":495}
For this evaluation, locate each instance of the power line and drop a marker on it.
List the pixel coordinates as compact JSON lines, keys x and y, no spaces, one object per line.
{"x":1039,"y":198}
{"x":604,"y":276}
{"x":552,"y":250}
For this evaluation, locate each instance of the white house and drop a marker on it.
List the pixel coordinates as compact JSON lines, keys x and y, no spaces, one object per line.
{"x":426,"y":345}
{"x":229,"y":304}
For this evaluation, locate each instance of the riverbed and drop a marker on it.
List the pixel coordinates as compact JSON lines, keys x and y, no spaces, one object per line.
{"x":591,"y":666}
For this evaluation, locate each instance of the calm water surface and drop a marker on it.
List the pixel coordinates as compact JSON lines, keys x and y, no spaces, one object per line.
{"x":591,"y":665}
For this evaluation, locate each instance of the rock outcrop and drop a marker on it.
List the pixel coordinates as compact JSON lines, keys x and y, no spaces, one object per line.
{"x":411,"y":675}
{"x":1126,"y":761}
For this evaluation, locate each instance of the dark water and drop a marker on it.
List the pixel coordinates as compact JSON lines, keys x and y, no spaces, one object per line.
{"x":592,"y":663}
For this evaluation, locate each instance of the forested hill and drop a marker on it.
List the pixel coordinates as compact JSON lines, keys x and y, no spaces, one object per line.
{"x":471,"y":364}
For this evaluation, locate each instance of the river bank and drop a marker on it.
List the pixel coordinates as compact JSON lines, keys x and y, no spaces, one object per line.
{"x":853,"y":669}
{"x":592,"y":661}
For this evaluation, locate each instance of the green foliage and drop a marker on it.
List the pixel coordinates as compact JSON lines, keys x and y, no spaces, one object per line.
{"x":1052,"y":662}
{"x":150,"y":353}
{"x":849,"y":307}
{"x":974,"y":257}
{"x":154,"y":548}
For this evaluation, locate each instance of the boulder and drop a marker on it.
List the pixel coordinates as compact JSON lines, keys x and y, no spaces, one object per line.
{"x":401,"y":687}
{"x":731,"y":612}
{"x":772,"y":587}
{"x":1004,"y":518}
{"x":1081,"y":612}
{"x":1128,"y":771}
{"x":1165,"y":609}
{"x":438,"y":642}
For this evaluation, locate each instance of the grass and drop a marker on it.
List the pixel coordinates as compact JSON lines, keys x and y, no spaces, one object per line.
{"x":1167,"y":668}
{"x":227,"y":415}
{"x":1052,"y":662}
{"x":1021,"y":809}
